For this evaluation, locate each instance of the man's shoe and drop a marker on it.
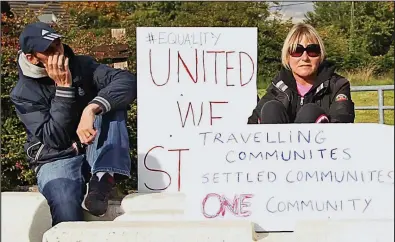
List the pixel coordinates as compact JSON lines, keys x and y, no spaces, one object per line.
{"x":96,"y":202}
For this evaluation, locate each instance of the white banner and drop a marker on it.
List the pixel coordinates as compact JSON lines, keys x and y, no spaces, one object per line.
{"x":276,"y":175}
{"x":189,"y":78}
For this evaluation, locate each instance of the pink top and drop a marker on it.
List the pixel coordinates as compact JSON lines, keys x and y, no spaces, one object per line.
{"x":303,"y":89}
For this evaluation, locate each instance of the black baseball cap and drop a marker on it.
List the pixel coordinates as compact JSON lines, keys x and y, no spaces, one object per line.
{"x":37,"y":37}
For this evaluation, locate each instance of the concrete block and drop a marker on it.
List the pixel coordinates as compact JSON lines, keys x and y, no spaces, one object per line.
{"x":25,"y":216}
{"x":154,"y":203}
{"x":335,"y":231}
{"x":231,"y":231}
{"x":346,"y":230}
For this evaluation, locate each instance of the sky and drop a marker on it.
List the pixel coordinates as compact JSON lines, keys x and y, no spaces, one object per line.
{"x":296,"y":10}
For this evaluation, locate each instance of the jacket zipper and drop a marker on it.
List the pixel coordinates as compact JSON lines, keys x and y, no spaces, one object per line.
{"x":39,"y":152}
{"x":301,"y":101}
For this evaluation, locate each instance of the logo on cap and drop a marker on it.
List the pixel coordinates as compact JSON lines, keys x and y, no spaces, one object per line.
{"x":49,"y":36}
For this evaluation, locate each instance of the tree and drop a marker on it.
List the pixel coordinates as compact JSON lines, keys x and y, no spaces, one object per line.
{"x":368,"y":28}
{"x":94,"y":14}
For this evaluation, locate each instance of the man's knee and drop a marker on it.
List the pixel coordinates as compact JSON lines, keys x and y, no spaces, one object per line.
{"x":64,"y":198}
{"x":311,"y":113}
{"x":273,"y":112}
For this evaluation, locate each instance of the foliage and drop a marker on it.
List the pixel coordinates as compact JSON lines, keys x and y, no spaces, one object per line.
{"x":358,"y":34}
{"x":89,"y":15}
{"x":14,"y":168}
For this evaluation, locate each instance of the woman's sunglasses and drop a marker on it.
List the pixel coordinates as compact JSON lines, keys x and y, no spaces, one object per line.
{"x":313,"y":50}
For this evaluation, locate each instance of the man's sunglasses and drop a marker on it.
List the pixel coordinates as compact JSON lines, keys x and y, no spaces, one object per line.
{"x":313,"y":50}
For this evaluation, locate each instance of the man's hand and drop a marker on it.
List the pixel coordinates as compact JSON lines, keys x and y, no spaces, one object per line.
{"x":85,"y":130}
{"x":58,"y":70}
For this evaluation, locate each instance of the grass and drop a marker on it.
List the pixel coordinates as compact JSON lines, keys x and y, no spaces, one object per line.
{"x":366,"y":78}
{"x":371,"y":99}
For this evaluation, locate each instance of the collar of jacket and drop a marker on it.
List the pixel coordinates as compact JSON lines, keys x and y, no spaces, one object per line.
{"x":285,"y":78}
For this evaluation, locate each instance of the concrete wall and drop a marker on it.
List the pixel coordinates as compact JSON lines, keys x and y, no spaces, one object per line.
{"x":159,"y":217}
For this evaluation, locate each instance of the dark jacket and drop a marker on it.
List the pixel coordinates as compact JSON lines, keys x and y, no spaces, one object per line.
{"x":330,"y":91}
{"x":51,"y":114}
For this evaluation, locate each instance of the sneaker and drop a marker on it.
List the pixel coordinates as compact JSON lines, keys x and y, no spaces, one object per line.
{"x":96,"y":202}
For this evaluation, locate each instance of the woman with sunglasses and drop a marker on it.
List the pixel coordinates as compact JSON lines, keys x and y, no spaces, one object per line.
{"x":306,"y":90}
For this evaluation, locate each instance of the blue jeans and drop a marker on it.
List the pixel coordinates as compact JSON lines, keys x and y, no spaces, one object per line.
{"x":62,"y":182}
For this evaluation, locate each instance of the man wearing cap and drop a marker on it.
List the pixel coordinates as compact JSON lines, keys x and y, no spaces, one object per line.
{"x":74,"y":113}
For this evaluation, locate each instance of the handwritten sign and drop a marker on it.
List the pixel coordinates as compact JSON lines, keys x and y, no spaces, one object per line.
{"x":276,"y":175}
{"x":189,"y":78}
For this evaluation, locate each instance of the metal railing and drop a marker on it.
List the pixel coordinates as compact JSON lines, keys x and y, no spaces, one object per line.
{"x":380,"y":90}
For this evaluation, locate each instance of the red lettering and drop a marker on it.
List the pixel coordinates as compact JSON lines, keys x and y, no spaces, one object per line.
{"x":253,"y":68}
{"x":215,"y":62}
{"x":186,"y":67}
{"x":204,"y":69}
{"x":205,"y":214}
{"x":244,"y":204}
{"x":211,"y":111}
{"x":179,"y":165}
{"x":190,"y":107}
{"x":235,"y":207}
{"x":232,"y":206}
{"x":155,"y":170}
{"x":228,"y":68}
{"x":168,"y":71}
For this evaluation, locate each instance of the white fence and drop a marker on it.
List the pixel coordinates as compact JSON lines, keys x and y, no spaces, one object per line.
{"x":380,"y":107}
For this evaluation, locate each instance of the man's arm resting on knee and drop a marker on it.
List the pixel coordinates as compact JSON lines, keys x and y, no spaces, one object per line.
{"x":342,"y":107}
{"x":53,"y":125}
{"x":117,"y":88}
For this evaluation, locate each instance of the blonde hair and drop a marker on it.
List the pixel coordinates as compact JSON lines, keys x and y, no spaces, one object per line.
{"x":294,"y":36}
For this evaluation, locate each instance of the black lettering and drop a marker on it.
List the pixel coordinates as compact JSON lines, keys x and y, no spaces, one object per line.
{"x":300,"y":134}
{"x":348,"y":156}
{"x":342,"y":177}
{"x":271,"y":174}
{"x":205,"y":176}
{"x":217,"y":136}
{"x":333,"y":153}
{"x":215,"y":178}
{"x":227,"y":157}
{"x":323,"y":175}
{"x":309,"y":203}
{"x":328,"y":204}
{"x":259,"y":175}
{"x":293,"y":205}
{"x":297,"y":154}
{"x":274,"y":153}
{"x":256,"y":157}
{"x":232,"y":137}
{"x":308,"y":175}
{"x":322,"y":155}
{"x":286,"y":159}
{"x":287,"y":177}
{"x":267,"y":206}
{"x":227,"y":176}
{"x":355,"y":178}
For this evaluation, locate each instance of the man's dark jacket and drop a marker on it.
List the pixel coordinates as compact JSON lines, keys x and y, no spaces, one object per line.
{"x":51,"y":114}
{"x":330,"y":91}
